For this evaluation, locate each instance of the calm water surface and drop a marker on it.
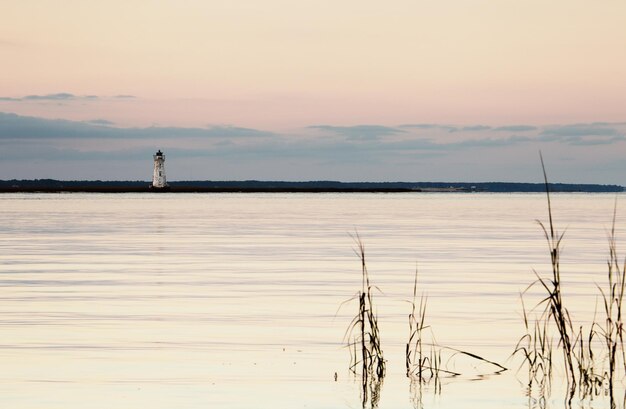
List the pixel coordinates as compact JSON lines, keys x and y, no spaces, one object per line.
{"x":235,"y":300}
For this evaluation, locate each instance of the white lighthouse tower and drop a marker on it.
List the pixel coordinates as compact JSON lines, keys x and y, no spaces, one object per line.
{"x":158,"y":176}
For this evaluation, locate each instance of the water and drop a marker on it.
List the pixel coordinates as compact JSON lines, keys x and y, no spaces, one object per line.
{"x":235,"y":300}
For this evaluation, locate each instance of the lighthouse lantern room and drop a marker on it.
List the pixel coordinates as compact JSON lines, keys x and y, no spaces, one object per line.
{"x":158,"y":177}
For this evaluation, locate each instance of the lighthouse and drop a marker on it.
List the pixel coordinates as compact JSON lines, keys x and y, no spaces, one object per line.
{"x":158,"y":176}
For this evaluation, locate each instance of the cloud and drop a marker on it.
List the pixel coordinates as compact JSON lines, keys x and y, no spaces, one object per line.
{"x":580,"y":141}
{"x":608,"y":123}
{"x":36,"y":147}
{"x":215,"y":131}
{"x":473,"y":128}
{"x":37,"y":139}
{"x":62,"y":96}
{"x":359,"y":132}
{"x":431,"y":137}
{"x":578,"y":130}
{"x":491,"y":142}
{"x":430,"y":144}
{"x":420,"y":126}
{"x":516,"y":128}
{"x":13,"y":126}
{"x":22,"y":127}
{"x":583,"y":134}
{"x":103,"y":122}
{"x":430,"y":126}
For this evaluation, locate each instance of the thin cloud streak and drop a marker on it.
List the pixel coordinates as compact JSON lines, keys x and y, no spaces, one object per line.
{"x":62,"y":96}
{"x":21,"y":127}
{"x":359,"y":132}
{"x":473,"y":128}
{"x":515,"y":128}
{"x":14,"y":126}
{"x":430,"y":126}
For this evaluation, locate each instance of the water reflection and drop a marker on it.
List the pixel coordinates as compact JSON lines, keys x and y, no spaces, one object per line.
{"x":594,"y":401}
{"x":536,"y":402}
{"x":416,"y":391}
{"x":371,"y":388}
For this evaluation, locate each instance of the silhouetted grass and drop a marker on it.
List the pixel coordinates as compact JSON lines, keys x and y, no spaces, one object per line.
{"x":555,"y":309}
{"x":588,"y":351}
{"x":416,"y":362}
{"x":423,"y":360}
{"x":613,"y":329}
{"x":363,"y":334}
{"x":536,"y":347}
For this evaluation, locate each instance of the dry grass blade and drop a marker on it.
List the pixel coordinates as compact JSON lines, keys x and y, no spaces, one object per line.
{"x":613,"y":330}
{"x":591,"y":350}
{"x":556,"y":308}
{"x":363,"y":334}
{"x":477,"y":357}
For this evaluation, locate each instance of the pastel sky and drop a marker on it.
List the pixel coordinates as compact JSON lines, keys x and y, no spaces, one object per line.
{"x":412,"y":90}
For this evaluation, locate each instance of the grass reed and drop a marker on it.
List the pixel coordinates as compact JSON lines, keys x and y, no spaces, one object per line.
{"x":613,"y":329}
{"x":423,"y":360}
{"x":415,"y":360}
{"x":536,"y":344}
{"x":363,"y":334}
{"x":585,"y":352}
{"x":536,"y":347}
{"x":555,"y":309}
{"x":424,"y":365}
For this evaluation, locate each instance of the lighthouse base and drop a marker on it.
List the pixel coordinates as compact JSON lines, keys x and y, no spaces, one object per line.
{"x":165,"y":188}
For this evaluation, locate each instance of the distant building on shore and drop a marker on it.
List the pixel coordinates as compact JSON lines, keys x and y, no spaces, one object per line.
{"x":158,"y":176}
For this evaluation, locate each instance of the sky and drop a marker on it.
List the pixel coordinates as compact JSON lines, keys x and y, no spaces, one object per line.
{"x":453,"y":90}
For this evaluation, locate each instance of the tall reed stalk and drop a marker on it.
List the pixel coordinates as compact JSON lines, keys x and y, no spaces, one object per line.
{"x":364,"y":338}
{"x":426,"y":366}
{"x":613,"y":329}
{"x":415,"y":360}
{"x":536,"y":347}
{"x":555,"y":308}
{"x":422,"y":365}
{"x":581,"y":349}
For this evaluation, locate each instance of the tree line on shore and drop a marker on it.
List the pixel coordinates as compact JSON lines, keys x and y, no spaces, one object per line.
{"x":70,"y":185}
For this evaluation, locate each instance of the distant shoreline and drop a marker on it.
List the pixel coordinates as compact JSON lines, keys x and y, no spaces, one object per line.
{"x":252,"y":186}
